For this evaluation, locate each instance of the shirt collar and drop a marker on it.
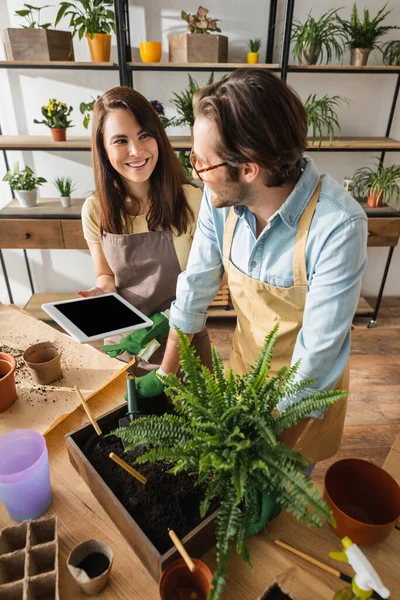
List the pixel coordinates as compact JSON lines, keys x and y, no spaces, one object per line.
{"x":294,"y":205}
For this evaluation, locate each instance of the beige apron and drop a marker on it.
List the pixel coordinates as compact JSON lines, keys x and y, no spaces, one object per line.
{"x":146,"y":269}
{"x":259,"y":306}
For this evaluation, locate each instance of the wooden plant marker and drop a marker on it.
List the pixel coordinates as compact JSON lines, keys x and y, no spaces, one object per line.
{"x":128,"y":468}
{"x":88,"y":411}
{"x":181,"y":549}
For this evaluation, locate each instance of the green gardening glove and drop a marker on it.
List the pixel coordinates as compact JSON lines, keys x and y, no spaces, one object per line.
{"x":137,"y":341}
{"x":267,"y":509}
{"x":149,"y":385}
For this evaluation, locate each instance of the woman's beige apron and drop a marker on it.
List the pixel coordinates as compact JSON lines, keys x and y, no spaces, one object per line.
{"x":146,"y":269}
{"x":259,"y":306}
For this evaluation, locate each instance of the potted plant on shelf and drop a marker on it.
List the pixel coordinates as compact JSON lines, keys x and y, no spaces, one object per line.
{"x":35,"y":40}
{"x":93,"y":18}
{"x":316,"y":38}
{"x":379,"y":184}
{"x":184,"y":102}
{"x":158,"y":107}
{"x":86,"y":109}
{"x":65,"y":188}
{"x":226,"y":432}
{"x":56,"y":118}
{"x":24,"y":184}
{"x":198,"y":46}
{"x":322,"y":117}
{"x":391,"y":53}
{"x":362,"y":35}
{"x":254,"y":54}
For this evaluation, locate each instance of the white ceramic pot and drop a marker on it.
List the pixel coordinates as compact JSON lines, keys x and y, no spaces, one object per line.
{"x":26,"y":198}
{"x":66,"y":201}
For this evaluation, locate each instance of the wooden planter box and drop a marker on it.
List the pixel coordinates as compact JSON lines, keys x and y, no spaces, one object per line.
{"x":38,"y":44}
{"x":197,"y":541}
{"x":198,"y":48}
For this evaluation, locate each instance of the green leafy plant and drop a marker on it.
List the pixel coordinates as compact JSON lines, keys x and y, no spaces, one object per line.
{"x":86,"y":109}
{"x":184,"y":102}
{"x":55,"y":115}
{"x":379,"y":180}
{"x":365,"y":33}
{"x":391,"y":52}
{"x":64,"y":185}
{"x":32,"y":21}
{"x":23,"y":179}
{"x":184,"y":160}
{"x":322,"y":116}
{"x":315,"y":39}
{"x":200,"y":23}
{"x":226,"y":431}
{"x":88,"y":17}
{"x":255,"y":45}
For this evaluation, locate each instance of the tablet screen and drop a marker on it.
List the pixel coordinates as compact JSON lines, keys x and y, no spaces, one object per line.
{"x":98,"y":315}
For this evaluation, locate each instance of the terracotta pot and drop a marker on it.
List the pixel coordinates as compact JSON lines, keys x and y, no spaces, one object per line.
{"x":44,"y":362}
{"x":364,"y":499}
{"x":310,"y":58}
{"x":8,"y":392}
{"x":100,"y":47}
{"x":150,"y":51}
{"x":359,"y":56}
{"x":178,"y":577}
{"x":252,"y":58}
{"x":59,"y":134}
{"x":90,"y":583}
{"x":375,"y":199}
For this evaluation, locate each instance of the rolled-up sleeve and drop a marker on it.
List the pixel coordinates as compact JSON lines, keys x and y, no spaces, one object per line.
{"x":323,"y":342}
{"x":198,"y":285}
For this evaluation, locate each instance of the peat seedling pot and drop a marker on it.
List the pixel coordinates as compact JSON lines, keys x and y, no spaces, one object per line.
{"x":178,"y":583}
{"x":44,"y":362}
{"x":142,"y":513}
{"x":90,"y":564}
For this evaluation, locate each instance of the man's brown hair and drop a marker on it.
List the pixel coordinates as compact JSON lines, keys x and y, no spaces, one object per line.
{"x":169,"y":208}
{"x":260,"y":119}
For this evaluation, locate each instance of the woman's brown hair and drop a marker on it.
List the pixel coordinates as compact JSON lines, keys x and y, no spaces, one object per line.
{"x":260,"y":119}
{"x":169,"y":207}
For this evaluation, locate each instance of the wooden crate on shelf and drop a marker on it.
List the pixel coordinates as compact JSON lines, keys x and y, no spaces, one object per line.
{"x":38,"y":44}
{"x":197,"y":48}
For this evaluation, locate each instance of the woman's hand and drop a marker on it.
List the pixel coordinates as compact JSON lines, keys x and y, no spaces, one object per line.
{"x":94,"y":291}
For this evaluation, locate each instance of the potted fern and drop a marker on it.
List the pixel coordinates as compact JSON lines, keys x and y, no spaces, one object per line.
{"x":378,"y":184}
{"x":24,"y":183}
{"x":65,"y":188}
{"x":322,"y":117}
{"x":315,"y":39}
{"x":391,"y":53}
{"x":254,"y":54}
{"x":36,"y":40}
{"x":362,"y":35}
{"x":226,"y":432}
{"x":184,"y":103}
{"x":201,"y":44}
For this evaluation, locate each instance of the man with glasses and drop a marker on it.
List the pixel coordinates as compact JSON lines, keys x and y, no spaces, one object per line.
{"x":291,"y":242}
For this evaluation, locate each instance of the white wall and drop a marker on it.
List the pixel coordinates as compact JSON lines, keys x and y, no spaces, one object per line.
{"x":23,"y":92}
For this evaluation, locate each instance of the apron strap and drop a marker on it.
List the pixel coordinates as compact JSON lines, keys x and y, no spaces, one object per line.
{"x":229,"y":230}
{"x":299,"y":261}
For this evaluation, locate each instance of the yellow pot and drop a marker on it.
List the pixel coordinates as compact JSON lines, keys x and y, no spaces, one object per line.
{"x":100,"y":47}
{"x":252,"y":58}
{"x":150,"y":51}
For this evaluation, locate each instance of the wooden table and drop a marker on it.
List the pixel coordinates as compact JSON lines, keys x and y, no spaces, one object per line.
{"x":81,"y":517}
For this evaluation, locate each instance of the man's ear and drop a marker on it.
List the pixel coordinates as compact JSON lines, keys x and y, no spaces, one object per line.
{"x":250,"y":172}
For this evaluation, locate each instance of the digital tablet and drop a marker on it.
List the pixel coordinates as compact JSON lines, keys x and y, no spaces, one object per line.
{"x":89,"y":319}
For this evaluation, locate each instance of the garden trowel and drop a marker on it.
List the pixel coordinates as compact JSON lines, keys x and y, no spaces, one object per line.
{"x":133,"y":411}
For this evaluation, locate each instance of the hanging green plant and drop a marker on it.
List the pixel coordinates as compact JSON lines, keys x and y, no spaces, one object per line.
{"x":377,"y":184}
{"x":322,"y":116}
{"x":184,"y":102}
{"x":391,"y":53}
{"x":86,"y":109}
{"x":226,"y":431}
{"x":316,"y":39}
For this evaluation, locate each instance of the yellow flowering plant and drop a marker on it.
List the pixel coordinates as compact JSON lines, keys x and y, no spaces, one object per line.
{"x":56,"y":115}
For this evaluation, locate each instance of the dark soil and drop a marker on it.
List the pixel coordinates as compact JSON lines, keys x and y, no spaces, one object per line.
{"x":165,"y":502}
{"x":276,"y":593}
{"x":94,"y":565}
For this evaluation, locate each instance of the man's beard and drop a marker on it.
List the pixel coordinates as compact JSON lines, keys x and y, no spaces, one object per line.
{"x":233,"y":194}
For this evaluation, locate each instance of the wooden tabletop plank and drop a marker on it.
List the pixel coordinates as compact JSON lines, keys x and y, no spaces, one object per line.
{"x":46,"y":208}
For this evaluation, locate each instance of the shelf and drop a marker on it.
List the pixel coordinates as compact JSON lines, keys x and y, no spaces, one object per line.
{"x":339,"y":69}
{"x":343,"y":144}
{"x":46,"y":208}
{"x":34,"y":304}
{"x":55,"y":64}
{"x":168,"y":66}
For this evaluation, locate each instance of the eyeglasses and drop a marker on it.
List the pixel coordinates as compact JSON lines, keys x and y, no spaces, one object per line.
{"x":193,"y":161}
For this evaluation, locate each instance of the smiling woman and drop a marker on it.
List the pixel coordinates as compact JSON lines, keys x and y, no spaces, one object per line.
{"x":140,"y":223}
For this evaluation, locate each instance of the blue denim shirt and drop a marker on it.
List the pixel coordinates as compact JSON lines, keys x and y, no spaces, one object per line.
{"x":336,"y":258}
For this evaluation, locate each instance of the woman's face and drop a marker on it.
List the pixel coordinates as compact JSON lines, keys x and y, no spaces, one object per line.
{"x":130,"y":150}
